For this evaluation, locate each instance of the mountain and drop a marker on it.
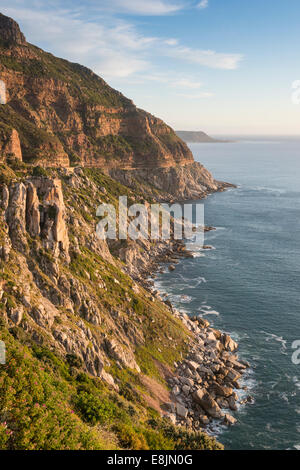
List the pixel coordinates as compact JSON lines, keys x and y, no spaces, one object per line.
{"x":197,"y":137}
{"x":62,"y":114}
{"x":95,"y":358}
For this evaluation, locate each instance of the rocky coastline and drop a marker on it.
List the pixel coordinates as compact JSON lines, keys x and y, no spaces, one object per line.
{"x":205,"y":384}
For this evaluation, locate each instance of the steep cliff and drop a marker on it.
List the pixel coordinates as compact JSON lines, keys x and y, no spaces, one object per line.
{"x":90,"y":351}
{"x":66,"y":115}
{"x":96,"y":359}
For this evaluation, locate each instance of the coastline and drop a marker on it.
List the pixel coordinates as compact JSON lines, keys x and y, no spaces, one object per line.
{"x":205,"y":384}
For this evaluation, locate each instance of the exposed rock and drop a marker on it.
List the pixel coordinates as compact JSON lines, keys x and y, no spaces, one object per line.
{"x":16,"y":314}
{"x":210,"y":406}
{"x":10,"y":147}
{"x":171,"y":417}
{"x":15,"y":215}
{"x":203,"y":323}
{"x":181,"y":411}
{"x":109,"y":380}
{"x":228,"y":343}
{"x":116,"y":351}
{"x":32,"y":211}
{"x":10,"y":31}
{"x":221,"y":390}
{"x":229,"y":420}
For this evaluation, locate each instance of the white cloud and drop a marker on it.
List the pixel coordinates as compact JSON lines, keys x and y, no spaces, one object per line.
{"x":196,"y":96}
{"x":147,"y":7}
{"x":171,"y":42}
{"x":111,"y":51}
{"x":110,"y":46}
{"x":171,"y":79}
{"x":208,"y":58}
{"x":186,"y":83}
{"x":203,"y":4}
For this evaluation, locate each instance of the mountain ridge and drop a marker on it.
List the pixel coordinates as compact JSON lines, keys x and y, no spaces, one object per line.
{"x":198,"y":137}
{"x":61,"y":114}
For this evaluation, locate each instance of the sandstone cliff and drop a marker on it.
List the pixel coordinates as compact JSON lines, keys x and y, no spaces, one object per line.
{"x":66,"y":115}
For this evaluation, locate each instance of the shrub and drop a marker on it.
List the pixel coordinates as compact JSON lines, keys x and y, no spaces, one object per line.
{"x":95,"y":409}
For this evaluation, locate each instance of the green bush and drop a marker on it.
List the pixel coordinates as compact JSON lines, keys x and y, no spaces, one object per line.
{"x":39,"y":171}
{"x":95,"y":409}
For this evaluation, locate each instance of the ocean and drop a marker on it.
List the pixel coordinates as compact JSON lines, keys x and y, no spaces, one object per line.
{"x":249,"y":284}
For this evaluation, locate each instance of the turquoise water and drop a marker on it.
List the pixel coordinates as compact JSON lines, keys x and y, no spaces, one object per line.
{"x":249,"y":284}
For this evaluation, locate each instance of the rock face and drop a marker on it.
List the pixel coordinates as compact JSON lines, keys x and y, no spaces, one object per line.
{"x":10,"y":147}
{"x":66,"y":115}
{"x":191,"y":181}
{"x":10,"y":31}
{"x":37,"y":207}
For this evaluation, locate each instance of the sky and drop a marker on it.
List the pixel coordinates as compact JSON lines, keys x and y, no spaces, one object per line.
{"x":227,"y":67}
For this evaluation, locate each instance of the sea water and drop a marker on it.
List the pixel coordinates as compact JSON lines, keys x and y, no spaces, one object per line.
{"x":249,"y":285}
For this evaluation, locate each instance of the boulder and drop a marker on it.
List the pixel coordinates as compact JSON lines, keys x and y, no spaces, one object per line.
{"x":198,"y":395}
{"x":229,"y":420}
{"x":233,"y":375}
{"x":171,"y":417}
{"x":222,"y":390}
{"x":193,"y":365}
{"x":16,"y":314}
{"x":208,"y":404}
{"x":186,"y":389}
{"x":181,"y":410}
{"x":171,"y":407}
{"x":232,"y":403}
{"x":228,"y":343}
{"x":203,"y":323}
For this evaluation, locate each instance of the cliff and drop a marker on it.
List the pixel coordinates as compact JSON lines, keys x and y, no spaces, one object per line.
{"x":95,"y":358}
{"x":65,"y":115}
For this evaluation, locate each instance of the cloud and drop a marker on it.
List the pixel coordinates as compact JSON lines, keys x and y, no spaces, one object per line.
{"x":111,"y":50}
{"x":203,"y":4}
{"x":146,"y":7}
{"x":172,"y":80}
{"x":111,"y":46}
{"x":171,"y":42}
{"x":196,"y":96}
{"x":208,"y":58}
{"x":186,"y":83}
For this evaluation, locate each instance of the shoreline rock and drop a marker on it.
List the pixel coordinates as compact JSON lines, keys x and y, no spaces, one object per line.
{"x":204,"y":384}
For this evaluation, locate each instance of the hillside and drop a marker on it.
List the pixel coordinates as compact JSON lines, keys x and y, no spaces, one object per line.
{"x":197,"y":137}
{"x":95,"y":358}
{"x":61,"y":114}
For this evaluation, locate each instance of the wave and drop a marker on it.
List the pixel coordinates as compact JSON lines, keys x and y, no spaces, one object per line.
{"x":278,"y":339}
{"x":180,"y":298}
{"x":207,"y":310}
{"x":264,"y":189}
{"x":198,"y":254}
{"x":197,"y":281}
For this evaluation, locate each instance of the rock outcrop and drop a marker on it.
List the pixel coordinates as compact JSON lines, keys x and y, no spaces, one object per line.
{"x":10,"y":32}
{"x":10,"y":147}
{"x":191,"y":181}
{"x":37,"y":207}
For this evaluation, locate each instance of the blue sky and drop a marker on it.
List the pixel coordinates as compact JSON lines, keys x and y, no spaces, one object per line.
{"x":222,"y":66}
